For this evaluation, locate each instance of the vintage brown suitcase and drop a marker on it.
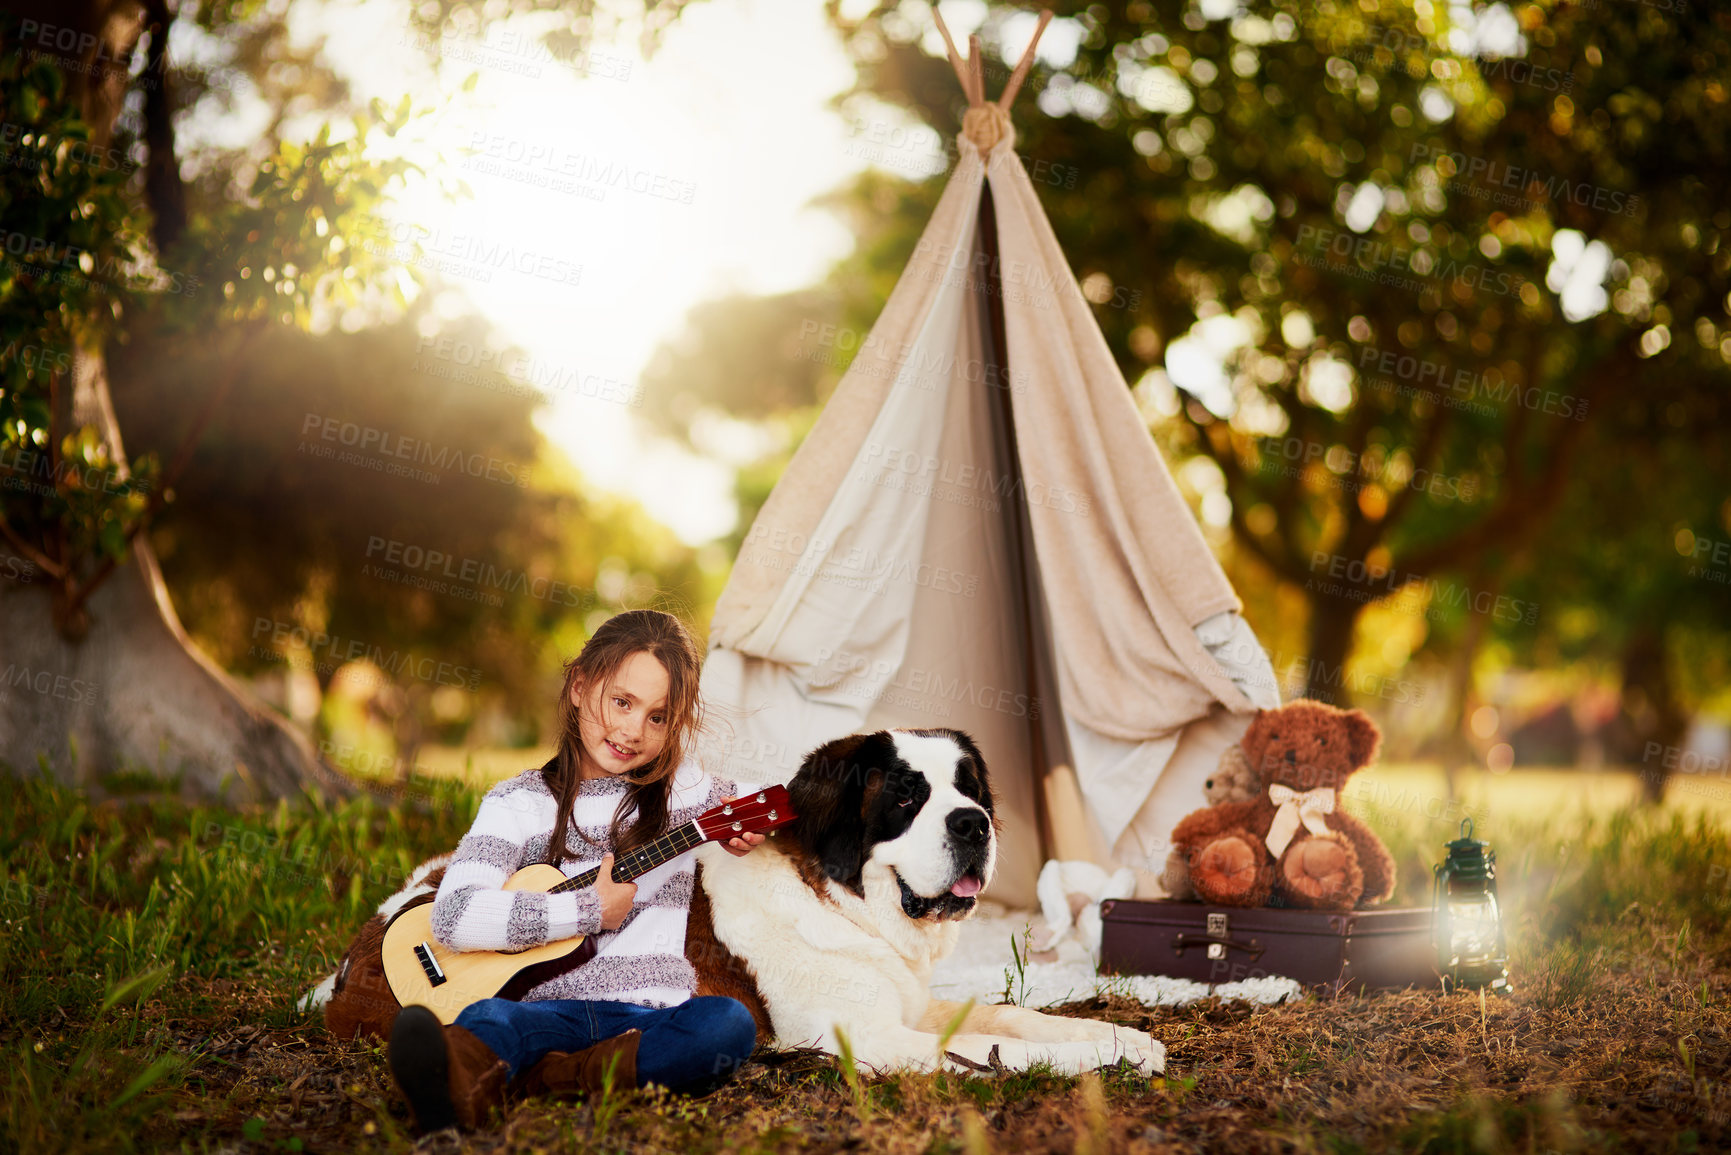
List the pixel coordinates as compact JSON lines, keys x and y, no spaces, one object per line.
{"x":1339,"y":950}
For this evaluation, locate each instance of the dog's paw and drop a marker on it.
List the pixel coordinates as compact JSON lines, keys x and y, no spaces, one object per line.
{"x":1075,"y":1058}
{"x":1112,"y":1042}
{"x":1148,"y":1054}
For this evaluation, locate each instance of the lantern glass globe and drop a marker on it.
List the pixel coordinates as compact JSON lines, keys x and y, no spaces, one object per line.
{"x":1474,"y":931}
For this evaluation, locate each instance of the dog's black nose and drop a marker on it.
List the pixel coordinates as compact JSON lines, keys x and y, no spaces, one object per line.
{"x":968,"y":825}
{"x":1292,"y":755}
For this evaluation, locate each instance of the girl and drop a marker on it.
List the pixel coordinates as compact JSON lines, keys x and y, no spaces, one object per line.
{"x":621,"y":780}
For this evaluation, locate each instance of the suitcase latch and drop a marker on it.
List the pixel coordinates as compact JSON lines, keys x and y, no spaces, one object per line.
{"x":1215,"y":948}
{"x":1217,"y":929}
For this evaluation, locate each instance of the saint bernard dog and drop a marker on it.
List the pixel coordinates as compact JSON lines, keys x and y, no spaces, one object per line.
{"x":832,"y":927}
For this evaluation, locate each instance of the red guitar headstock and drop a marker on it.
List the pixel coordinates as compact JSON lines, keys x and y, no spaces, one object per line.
{"x":760,"y":811}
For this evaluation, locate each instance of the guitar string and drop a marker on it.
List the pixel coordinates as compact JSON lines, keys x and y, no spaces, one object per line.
{"x":662,"y":850}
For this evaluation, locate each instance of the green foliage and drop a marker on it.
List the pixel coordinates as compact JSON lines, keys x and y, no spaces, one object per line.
{"x":74,"y":252}
{"x":113,"y":912}
{"x":1485,"y":1125}
{"x":78,"y":263}
{"x":850,"y":1073}
{"x":1630,"y":862}
{"x":236,"y":897}
{"x":301,"y":241}
{"x":610,"y":1100}
{"x":1016,"y":985}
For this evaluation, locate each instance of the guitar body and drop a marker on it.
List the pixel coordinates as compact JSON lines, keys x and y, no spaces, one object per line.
{"x":420,"y":969}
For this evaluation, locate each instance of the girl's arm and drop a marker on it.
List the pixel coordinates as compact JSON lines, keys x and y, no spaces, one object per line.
{"x":473,"y":912}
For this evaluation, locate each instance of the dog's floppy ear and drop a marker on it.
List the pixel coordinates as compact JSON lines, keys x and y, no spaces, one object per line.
{"x":971,"y":751}
{"x":829,"y":795}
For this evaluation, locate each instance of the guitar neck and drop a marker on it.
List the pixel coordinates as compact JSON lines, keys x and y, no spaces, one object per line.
{"x":639,"y":861}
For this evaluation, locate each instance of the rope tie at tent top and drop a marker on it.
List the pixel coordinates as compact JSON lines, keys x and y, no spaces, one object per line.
{"x":986,"y":124}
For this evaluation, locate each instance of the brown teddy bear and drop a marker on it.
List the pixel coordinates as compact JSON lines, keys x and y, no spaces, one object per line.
{"x":1232,"y":781}
{"x":1290,"y":841}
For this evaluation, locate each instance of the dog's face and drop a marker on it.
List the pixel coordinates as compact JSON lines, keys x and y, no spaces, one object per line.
{"x":914,"y":803}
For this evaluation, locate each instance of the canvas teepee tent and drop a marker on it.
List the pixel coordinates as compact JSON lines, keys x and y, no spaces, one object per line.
{"x":979,"y":532}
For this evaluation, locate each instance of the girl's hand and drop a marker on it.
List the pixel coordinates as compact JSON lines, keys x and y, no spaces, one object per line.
{"x":740,"y":844}
{"x":617,"y":898}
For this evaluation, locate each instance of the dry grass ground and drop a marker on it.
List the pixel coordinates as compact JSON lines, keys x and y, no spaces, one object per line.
{"x":152,"y":951}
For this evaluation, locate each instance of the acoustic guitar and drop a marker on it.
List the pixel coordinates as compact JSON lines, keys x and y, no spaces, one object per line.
{"x":420,"y":969}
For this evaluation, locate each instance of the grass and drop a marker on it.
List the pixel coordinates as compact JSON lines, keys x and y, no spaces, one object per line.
{"x":153,"y":950}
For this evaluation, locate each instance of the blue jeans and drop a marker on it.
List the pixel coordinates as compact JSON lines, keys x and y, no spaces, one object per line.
{"x":695,"y":1045}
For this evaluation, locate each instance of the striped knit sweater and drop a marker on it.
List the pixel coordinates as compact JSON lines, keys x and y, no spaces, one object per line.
{"x":643,"y":961}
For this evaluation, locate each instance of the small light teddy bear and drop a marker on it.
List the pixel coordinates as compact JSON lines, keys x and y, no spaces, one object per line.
{"x":1232,"y":781}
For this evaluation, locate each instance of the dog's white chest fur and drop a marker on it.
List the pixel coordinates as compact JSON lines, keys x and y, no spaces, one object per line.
{"x":816,"y":963}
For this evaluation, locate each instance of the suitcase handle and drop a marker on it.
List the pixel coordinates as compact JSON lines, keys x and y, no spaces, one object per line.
{"x":1180,"y":942}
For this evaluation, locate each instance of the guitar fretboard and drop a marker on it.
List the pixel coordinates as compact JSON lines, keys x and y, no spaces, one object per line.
{"x":639,"y":861}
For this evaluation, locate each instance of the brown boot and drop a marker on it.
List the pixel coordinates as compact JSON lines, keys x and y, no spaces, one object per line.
{"x":447,"y":1074}
{"x":571,"y":1073}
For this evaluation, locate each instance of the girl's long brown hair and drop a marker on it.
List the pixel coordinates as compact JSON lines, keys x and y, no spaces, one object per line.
{"x":665,"y":638}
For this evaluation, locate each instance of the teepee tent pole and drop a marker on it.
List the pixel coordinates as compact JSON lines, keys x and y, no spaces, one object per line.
{"x":1026,"y":62}
{"x":962,"y":74}
{"x":971,"y":72}
{"x":977,"y":67}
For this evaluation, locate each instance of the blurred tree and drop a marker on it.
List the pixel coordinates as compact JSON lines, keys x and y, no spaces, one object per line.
{"x":1387,"y":264}
{"x":333,"y":447}
{"x":1641,"y":582}
{"x":100,"y":674}
{"x":1378,"y":214}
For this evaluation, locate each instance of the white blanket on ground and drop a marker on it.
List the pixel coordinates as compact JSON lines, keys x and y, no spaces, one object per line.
{"x":978,"y":966}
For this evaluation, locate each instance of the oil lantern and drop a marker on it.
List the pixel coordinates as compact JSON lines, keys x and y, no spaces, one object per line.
{"x":1468,"y":926}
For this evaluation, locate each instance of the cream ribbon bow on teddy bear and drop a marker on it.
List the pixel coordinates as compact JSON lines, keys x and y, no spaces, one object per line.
{"x":1295,"y":807}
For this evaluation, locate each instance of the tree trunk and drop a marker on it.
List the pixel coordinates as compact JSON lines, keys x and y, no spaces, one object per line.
{"x":1650,"y":717}
{"x":130,"y":693}
{"x":1329,"y":642}
{"x":135,"y":695}
{"x":1455,"y":750}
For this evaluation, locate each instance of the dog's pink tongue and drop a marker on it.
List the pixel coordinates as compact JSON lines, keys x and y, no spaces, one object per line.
{"x":966,"y":886}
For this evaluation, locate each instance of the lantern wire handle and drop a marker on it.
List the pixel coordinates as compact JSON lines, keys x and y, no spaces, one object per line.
{"x":1467,"y":827}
